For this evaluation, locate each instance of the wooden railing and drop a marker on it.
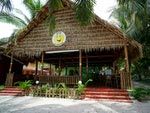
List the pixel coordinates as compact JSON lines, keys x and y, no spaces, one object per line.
{"x":70,"y":80}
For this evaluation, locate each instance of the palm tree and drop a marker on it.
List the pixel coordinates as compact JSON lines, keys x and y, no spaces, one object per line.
{"x":10,"y":17}
{"x":134,"y":19}
{"x":33,"y":7}
{"x":5,"y":5}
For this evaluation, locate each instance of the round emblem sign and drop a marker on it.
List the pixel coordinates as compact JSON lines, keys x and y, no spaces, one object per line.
{"x":59,"y":38}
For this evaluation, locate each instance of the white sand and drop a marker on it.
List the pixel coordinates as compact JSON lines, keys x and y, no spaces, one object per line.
{"x":10,"y":104}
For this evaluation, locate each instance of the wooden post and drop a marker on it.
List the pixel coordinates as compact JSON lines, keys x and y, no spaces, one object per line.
{"x":50,"y":69}
{"x":36,"y":69}
{"x":66,"y":70}
{"x":127,"y":67}
{"x":80,"y":64}
{"x":87,"y":66}
{"x":11,"y":63}
{"x":42,"y":61}
{"x":9,"y":78}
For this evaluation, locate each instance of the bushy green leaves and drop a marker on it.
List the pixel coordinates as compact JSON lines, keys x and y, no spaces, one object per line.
{"x":140,"y":93}
{"x":24,"y":85}
{"x":84,"y":11}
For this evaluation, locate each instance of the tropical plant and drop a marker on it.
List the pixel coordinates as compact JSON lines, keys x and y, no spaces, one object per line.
{"x":33,"y":7}
{"x":5,"y":5}
{"x":25,"y":85}
{"x":134,"y":20}
{"x":81,"y":87}
{"x":141,"y":93}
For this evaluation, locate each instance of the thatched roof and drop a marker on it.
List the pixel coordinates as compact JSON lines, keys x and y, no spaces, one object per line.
{"x":98,"y":35}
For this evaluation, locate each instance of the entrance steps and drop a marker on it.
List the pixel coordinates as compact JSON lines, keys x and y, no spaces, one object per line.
{"x":119,"y":95}
{"x":11,"y":91}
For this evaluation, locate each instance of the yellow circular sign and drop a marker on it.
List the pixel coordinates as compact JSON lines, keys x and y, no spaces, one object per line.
{"x":59,"y":38}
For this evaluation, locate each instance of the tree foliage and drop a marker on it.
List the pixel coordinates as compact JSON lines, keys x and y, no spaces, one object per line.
{"x":5,"y":5}
{"x":134,"y":19}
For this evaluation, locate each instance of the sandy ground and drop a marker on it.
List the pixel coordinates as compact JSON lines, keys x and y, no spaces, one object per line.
{"x":9,"y":104}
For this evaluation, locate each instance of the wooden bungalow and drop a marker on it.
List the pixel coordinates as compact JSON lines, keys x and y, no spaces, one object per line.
{"x":86,"y":48}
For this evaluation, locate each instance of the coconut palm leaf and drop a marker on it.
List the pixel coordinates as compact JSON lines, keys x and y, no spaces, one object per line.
{"x":5,"y":5}
{"x":18,"y":11}
{"x":55,"y":5}
{"x":84,"y":11}
{"x":12,"y":19}
{"x":33,"y":6}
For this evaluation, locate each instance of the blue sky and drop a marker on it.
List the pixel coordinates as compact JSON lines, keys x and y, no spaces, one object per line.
{"x":102,"y":9}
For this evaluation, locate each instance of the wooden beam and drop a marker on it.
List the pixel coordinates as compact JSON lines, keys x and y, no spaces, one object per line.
{"x":80,"y":64}
{"x":83,"y":57}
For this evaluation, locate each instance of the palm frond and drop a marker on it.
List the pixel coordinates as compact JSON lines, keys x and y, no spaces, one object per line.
{"x":18,"y":11}
{"x":84,"y":11}
{"x":51,"y":23}
{"x":55,"y":5}
{"x":12,"y":19}
{"x":33,"y":6}
{"x":5,"y":5}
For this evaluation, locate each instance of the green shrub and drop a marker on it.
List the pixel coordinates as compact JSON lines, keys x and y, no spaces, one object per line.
{"x":140,"y":93}
{"x":24,"y":85}
{"x":1,"y":87}
{"x":81,"y":87}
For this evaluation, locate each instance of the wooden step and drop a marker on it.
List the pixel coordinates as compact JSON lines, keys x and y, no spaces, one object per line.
{"x":106,"y":94}
{"x":11,"y":91}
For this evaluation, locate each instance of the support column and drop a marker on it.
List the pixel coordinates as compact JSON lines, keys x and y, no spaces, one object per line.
{"x":66,"y":70}
{"x":129,"y":80}
{"x":42,"y":62}
{"x":36,"y":69}
{"x":50,"y":69}
{"x":11,"y":63}
{"x":80,"y":64}
{"x":10,"y":75}
{"x":87,"y":66}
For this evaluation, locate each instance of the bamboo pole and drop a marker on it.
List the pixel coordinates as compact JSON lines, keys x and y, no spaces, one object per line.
{"x":50,"y":69}
{"x":66,"y":70}
{"x":11,"y":63}
{"x":36,"y":69}
{"x":128,"y":82}
{"x":87,"y":66}
{"x":42,"y":61}
{"x":80,"y":64}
